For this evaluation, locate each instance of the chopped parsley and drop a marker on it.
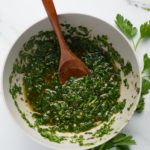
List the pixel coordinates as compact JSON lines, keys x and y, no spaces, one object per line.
{"x":126,"y":83}
{"x":80,"y":104}
{"x":127,"y":68}
{"x":15,"y":90}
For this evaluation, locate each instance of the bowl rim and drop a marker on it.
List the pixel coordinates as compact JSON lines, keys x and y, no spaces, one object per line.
{"x":59,"y":15}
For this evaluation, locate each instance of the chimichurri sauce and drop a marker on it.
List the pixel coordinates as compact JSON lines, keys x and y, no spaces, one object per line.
{"x":82,"y":103}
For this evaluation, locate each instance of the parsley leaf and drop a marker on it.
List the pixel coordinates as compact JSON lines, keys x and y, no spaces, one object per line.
{"x":145,"y":32}
{"x":145,"y":29}
{"x":126,"y":26}
{"x":145,"y":83}
{"x":119,"y":142}
{"x":146,"y":69}
{"x":122,"y":147}
{"x":145,"y":86}
{"x":141,"y":105}
{"x":130,"y":31}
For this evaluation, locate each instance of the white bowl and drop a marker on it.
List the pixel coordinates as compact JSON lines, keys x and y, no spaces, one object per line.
{"x":120,"y":44}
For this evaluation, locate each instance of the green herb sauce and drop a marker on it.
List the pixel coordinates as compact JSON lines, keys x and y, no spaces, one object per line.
{"x":80,"y":104}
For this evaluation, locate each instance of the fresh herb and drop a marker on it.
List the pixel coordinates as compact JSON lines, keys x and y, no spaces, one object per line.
{"x":130,"y":106}
{"x":50,"y":135}
{"x":130,"y":31}
{"x":145,"y":87}
{"x":141,"y":105}
{"x":15,"y":90}
{"x":105,"y":129}
{"x":114,"y":55}
{"x":79,"y":139}
{"x":127,"y":68}
{"x":146,"y":69}
{"x":148,"y":9}
{"x":23,"y":115}
{"x":144,"y":32}
{"x":126,"y":26}
{"x":145,"y":83}
{"x":119,"y":142}
{"x":126,"y":83}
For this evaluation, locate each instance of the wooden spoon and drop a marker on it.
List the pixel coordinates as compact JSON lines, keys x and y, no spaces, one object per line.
{"x":70,"y":64}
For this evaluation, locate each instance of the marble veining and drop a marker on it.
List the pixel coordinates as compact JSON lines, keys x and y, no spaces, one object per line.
{"x":144,"y":4}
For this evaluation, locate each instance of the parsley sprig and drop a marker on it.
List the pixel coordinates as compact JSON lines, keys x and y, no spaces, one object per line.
{"x":144,"y":32}
{"x":145,"y":83}
{"x":119,"y":142}
{"x":130,"y":31}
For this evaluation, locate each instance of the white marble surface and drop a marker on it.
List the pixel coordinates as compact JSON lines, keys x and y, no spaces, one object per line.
{"x":17,"y":15}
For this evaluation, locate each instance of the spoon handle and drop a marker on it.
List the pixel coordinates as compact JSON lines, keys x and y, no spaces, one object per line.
{"x":51,"y":12}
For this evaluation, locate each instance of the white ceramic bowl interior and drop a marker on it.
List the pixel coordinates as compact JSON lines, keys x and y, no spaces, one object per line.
{"x":98,"y":27}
